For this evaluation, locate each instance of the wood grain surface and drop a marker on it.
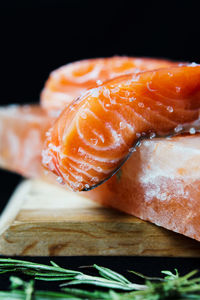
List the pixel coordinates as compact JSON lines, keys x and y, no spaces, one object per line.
{"x":43,"y":219}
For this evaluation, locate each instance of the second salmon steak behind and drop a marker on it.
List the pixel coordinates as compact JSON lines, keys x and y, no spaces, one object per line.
{"x":69,"y":81}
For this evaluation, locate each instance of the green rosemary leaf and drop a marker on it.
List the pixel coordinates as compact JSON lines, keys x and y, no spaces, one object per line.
{"x":109,"y":274}
{"x":13,"y":261}
{"x":57,"y":275}
{"x":189,"y":275}
{"x":12,"y":295}
{"x":49,"y":295}
{"x":29,"y":268}
{"x":87,"y":294}
{"x":192,"y":281}
{"x":108,"y":284}
{"x":29,"y":288}
{"x":54,"y":264}
{"x":170,"y":275}
{"x":146,"y":277}
{"x":38,"y":295}
{"x":63,"y":278}
{"x":191,"y":296}
{"x":101,"y":282}
{"x":16,"y":282}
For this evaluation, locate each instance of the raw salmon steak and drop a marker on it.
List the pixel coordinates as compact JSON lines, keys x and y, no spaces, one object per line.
{"x":22,"y":133}
{"x":69,"y":81}
{"x":98,"y":131}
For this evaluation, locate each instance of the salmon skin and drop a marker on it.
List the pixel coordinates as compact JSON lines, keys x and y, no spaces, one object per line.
{"x":69,"y":81}
{"x":97,"y":132}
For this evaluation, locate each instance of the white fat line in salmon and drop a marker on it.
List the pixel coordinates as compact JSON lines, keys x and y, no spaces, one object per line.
{"x":96,"y":158}
{"x":118,"y":140}
{"x":88,"y":166}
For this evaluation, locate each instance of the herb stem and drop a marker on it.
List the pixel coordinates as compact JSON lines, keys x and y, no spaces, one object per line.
{"x":116,"y":286}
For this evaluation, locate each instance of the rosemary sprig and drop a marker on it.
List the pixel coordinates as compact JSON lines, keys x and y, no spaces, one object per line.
{"x":116,"y":286}
{"x":107,"y":278}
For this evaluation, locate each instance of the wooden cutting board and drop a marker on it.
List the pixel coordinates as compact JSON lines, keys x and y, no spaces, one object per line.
{"x":43,"y":219}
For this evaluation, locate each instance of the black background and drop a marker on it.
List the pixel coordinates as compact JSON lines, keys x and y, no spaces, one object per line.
{"x":39,"y":36}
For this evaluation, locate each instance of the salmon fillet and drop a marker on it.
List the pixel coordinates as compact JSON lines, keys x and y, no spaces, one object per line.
{"x":98,"y":131}
{"x":69,"y":81}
